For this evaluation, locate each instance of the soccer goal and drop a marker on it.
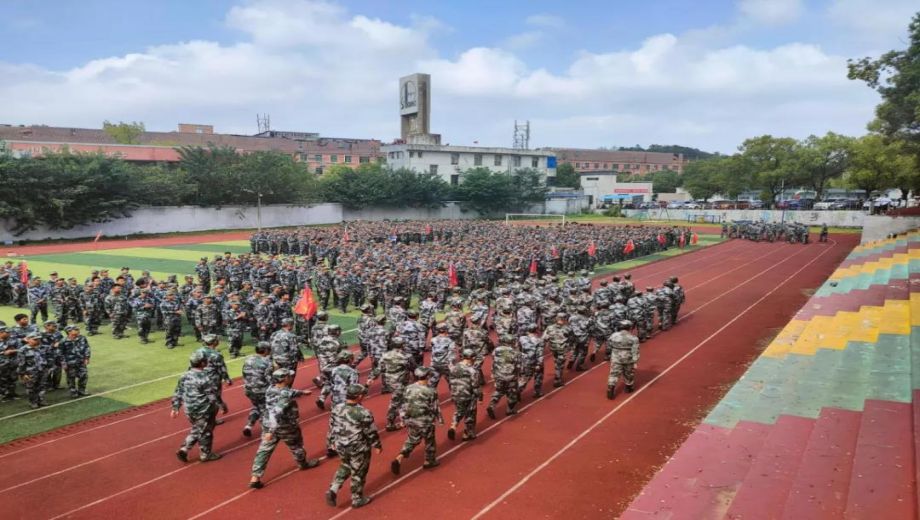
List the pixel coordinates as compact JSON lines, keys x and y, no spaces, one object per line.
{"x":533,"y":218}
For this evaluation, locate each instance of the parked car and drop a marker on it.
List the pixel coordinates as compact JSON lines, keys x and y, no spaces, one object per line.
{"x":676,"y":205}
{"x":756,"y":204}
{"x":827,"y":204}
{"x":692,"y":205}
{"x":796,"y":204}
{"x":845,"y":204}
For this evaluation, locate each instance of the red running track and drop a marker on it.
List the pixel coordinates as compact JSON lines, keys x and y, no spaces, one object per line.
{"x":571,"y":453}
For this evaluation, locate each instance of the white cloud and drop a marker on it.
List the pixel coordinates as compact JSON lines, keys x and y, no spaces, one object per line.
{"x":548,"y":21}
{"x":524,"y":40}
{"x":315,"y":66}
{"x":872,"y":20}
{"x":771,"y":12}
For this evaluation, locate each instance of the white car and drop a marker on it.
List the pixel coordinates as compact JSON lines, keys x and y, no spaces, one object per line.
{"x":691,"y":205}
{"x":827,"y":204}
{"x":676,"y":205}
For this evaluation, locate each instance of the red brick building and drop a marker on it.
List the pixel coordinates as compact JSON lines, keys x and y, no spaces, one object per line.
{"x":318,"y":152}
{"x":588,"y":161}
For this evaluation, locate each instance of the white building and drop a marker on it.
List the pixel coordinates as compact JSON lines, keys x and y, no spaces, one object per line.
{"x":602,"y":188}
{"x":450,"y":162}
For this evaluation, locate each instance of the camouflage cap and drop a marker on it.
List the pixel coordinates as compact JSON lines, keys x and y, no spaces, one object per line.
{"x":281,"y":374}
{"x":380,"y":319}
{"x":624,"y":324}
{"x":506,"y":338}
{"x":33,"y":335}
{"x":196,"y":358}
{"x":4,"y":328}
{"x":355,"y":391}
{"x":263,"y":347}
{"x":412,"y":314}
{"x":287,"y":321}
{"x":322,"y":315}
{"x":209,"y":339}
{"x":334,"y":328}
{"x":71,"y":327}
{"x":468,"y":353}
{"x":560,"y":316}
{"x":366,"y":307}
{"x":422,"y":372}
{"x":398,"y":341}
{"x":50,"y":322}
{"x":345,"y":355}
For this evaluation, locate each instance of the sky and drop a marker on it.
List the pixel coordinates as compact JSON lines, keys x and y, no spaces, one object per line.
{"x":701,"y":73}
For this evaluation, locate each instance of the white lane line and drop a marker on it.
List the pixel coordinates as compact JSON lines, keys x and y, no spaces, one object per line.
{"x":638,"y":392}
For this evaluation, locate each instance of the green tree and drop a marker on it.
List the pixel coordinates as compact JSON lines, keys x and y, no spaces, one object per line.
{"x":528,"y":188}
{"x":701,"y":178}
{"x":820,"y":159}
{"x":877,"y":164}
{"x":485,"y":192}
{"x":162,"y":185}
{"x":567,"y":177}
{"x":124,"y":133}
{"x":665,"y":181}
{"x":896,"y":76}
{"x":771,"y":162}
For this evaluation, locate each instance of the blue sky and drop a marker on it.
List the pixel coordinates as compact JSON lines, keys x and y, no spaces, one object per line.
{"x":703,"y":73}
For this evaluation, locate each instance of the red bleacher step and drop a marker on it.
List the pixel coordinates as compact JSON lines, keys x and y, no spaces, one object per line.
{"x":819,"y":489}
{"x":883,"y":480}
{"x":765,"y":487}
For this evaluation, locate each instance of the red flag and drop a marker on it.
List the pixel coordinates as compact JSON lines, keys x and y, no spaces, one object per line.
{"x":306,"y":306}
{"x":98,"y":236}
{"x":24,"y":272}
{"x":452,"y":275}
{"x":683,"y":240}
{"x":629,"y":247}
{"x":428,"y":229}
{"x":661,"y":239}
{"x":694,"y":239}
{"x":554,"y":252}
{"x":533,"y":266}
{"x":345,"y":237}
{"x":592,"y":249}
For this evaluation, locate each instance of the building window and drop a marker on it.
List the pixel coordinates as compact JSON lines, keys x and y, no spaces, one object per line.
{"x":635,"y":167}
{"x":419,"y":154}
{"x":318,"y":158}
{"x":363,"y":159}
{"x":592,"y":178}
{"x":606,"y":166}
{"x":319,"y":170}
{"x":550,"y":181}
{"x":477,"y":159}
{"x":455,"y":180}
{"x":597,"y":165}
{"x":498,"y":160}
{"x":455,"y":158}
{"x":616,"y":166}
{"x":516,"y":162}
{"x":534,"y":162}
{"x":333,"y":158}
{"x":347,"y":159}
{"x":433,"y":169}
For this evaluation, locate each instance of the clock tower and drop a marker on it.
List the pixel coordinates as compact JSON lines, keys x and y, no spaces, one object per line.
{"x":415,"y":107}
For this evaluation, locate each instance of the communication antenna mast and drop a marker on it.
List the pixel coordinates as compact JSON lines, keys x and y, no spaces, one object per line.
{"x":521,"y":135}
{"x":264,"y":122}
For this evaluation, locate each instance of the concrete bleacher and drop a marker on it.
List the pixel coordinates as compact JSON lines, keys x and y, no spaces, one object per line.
{"x":826,"y":422}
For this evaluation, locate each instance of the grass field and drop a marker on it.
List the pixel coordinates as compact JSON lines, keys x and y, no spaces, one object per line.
{"x":125,"y":373}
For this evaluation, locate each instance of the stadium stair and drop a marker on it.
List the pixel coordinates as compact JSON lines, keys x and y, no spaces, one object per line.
{"x":826,"y":422}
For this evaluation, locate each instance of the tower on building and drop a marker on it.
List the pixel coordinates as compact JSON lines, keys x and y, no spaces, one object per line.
{"x":415,"y":106}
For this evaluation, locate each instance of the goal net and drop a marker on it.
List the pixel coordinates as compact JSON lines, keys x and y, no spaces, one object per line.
{"x":533,"y":219}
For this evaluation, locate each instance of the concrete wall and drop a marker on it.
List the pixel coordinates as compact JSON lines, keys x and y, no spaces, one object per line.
{"x":879,"y":227}
{"x":812,"y":218}
{"x":450,"y":211}
{"x":170,"y":219}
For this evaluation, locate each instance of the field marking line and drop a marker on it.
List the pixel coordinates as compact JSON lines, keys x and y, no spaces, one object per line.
{"x":639,"y":391}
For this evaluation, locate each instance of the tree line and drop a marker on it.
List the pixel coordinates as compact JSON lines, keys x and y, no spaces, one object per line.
{"x":62,"y":190}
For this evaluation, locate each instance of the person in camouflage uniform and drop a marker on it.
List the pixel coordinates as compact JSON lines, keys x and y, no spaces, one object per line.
{"x":119,"y":310}
{"x":75,"y":352}
{"x":625,"y":355}
{"x":281,"y":423}
{"x":285,"y":350}
{"x":342,"y":375}
{"x":422,"y":409}
{"x":74,"y":310}
{"x":58,"y":296}
{"x":93,"y":309}
{"x":415,"y":334}
{"x":340,"y":290}
{"x":31,"y":369}
{"x":265,"y":319}
{"x":559,"y":338}
{"x":465,"y":391}
{"x":649,"y":305}
{"x":171,"y":309}
{"x":327,"y":351}
{"x":581,"y":325}
{"x":636,"y":306}
{"x":196,"y":391}
{"x":428,"y":308}
{"x":376,"y":343}
{"x":51,"y":352}
{"x":206,"y":316}
{"x":679,"y":297}
{"x":9,"y":351}
{"x":395,"y":367}
{"x":455,"y":321}
{"x":216,"y":368}
{"x":257,"y":370}
{"x":365,"y":323}
{"x":506,"y":369}
{"x":38,"y":294}
{"x":504,"y":322}
{"x":144,"y":308}
{"x":204,"y":275}
{"x":234,"y":321}
{"x":664,"y":297}
{"x":443,"y":354}
{"x":531,"y":361}
{"x":603,"y":326}
{"x":478,"y":340}
{"x":354,"y":434}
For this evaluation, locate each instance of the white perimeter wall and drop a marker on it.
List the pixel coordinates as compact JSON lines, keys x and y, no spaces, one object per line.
{"x":450,"y":211}
{"x":879,"y":227}
{"x":170,"y":219}
{"x":812,"y":218}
